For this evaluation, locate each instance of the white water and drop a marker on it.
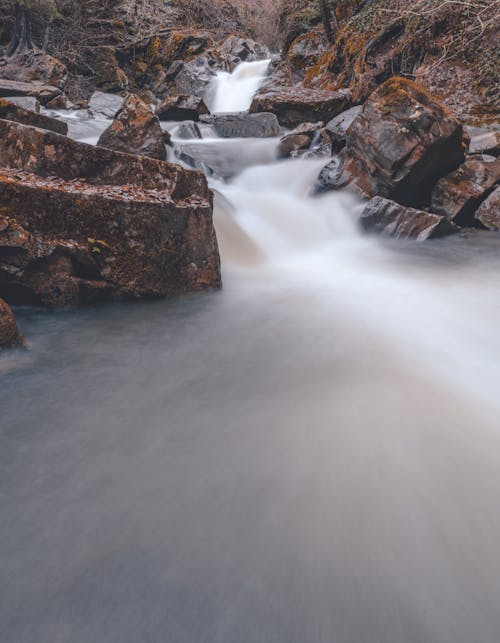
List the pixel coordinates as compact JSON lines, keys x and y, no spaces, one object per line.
{"x":311,"y":455}
{"x":233,"y":92}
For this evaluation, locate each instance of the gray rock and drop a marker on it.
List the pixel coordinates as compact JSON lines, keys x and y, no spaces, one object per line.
{"x":182,"y":107}
{"x":484,"y":141}
{"x":27,"y":102}
{"x":102,"y":105}
{"x":188,"y":130}
{"x":193,"y":77}
{"x":392,"y":219}
{"x":243,"y":125}
{"x":338,"y":126}
{"x":332,"y":177}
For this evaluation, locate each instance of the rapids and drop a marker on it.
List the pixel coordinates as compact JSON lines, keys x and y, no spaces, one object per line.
{"x":311,"y":455}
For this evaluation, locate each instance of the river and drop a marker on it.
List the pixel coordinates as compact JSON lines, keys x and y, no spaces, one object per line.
{"x":311,"y":455}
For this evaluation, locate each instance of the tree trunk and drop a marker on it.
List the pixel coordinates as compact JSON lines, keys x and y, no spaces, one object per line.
{"x":326,"y":19}
{"x":21,"y":35}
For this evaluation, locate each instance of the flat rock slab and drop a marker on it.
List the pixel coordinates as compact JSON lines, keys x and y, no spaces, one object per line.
{"x":44,"y":93}
{"x":13,"y":112}
{"x":243,"y":125}
{"x":296,"y":105}
{"x":488,"y":214}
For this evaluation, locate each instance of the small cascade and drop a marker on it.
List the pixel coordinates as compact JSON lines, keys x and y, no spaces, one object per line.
{"x":233,"y":92}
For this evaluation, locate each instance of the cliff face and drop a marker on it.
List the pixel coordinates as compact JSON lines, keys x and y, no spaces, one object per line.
{"x":451,"y":49}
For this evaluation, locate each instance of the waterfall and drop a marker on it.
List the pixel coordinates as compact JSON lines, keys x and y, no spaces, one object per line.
{"x":233,"y":92}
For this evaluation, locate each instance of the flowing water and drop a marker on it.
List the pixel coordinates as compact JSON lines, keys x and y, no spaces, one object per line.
{"x":311,"y":455}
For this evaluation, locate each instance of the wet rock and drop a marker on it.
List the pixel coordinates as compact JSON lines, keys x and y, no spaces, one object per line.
{"x":11,"y":112}
{"x":301,"y":138}
{"x":109,"y":77}
{"x":488,"y":213}
{"x":47,"y":154}
{"x":338,"y":126}
{"x":73,"y":243}
{"x":9,"y":332}
{"x":181,"y":108}
{"x":104,"y":105}
{"x":243,"y":125}
{"x":188,"y":130}
{"x":392,"y":219}
{"x":135,"y":130}
{"x":459,"y":194}
{"x":43,"y":93}
{"x":332,"y":177}
{"x":193,"y":77}
{"x":296,"y":105}
{"x":402,"y":142}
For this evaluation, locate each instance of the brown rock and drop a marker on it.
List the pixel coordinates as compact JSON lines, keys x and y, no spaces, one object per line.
{"x":459,"y":194}
{"x":181,"y":108}
{"x":38,"y":66}
{"x":11,"y":112}
{"x":135,"y":130}
{"x":296,"y":105}
{"x":298,"y":139}
{"x":392,"y":219}
{"x":9,"y":332}
{"x":488,"y":213}
{"x":402,"y":142}
{"x":43,"y":93}
{"x":108,"y":75}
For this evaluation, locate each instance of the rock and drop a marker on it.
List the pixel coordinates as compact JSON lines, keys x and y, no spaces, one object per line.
{"x":402,"y":142}
{"x":26,"y":102}
{"x":299,"y":139}
{"x":243,"y":125}
{"x":338,"y":126}
{"x":9,"y":332}
{"x":332,"y":177}
{"x":11,"y":112}
{"x":305,"y":51}
{"x":103,"y":105}
{"x":59,"y":102}
{"x":235,"y":50}
{"x":43,"y":93}
{"x":488,"y":213}
{"x":193,"y":77}
{"x":74,"y":243}
{"x":188,"y":130}
{"x":181,"y":108}
{"x":459,"y":194}
{"x":135,"y":130}
{"x":296,"y":105}
{"x":483,"y":141}
{"x":108,"y":75}
{"x":392,"y":219}
{"x":47,"y":154}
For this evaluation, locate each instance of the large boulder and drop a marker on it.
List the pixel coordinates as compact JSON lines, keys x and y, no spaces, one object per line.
{"x":181,"y":107}
{"x":296,"y":105}
{"x":402,"y":143}
{"x":488,"y":213}
{"x":392,"y":219}
{"x":110,"y":226}
{"x":135,"y":130}
{"x":9,"y":332}
{"x":36,"y":65}
{"x":192,"y":77}
{"x":459,"y":194}
{"x":243,"y":125}
{"x":11,"y":112}
{"x":104,"y":105}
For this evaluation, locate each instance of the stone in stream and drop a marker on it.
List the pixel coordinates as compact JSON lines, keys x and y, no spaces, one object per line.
{"x":296,"y":105}
{"x":392,"y":219}
{"x":338,"y":126}
{"x":459,"y":194}
{"x":83,"y":224}
{"x":9,"y":332}
{"x":26,"y":102}
{"x":181,"y":108}
{"x":188,"y":130}
{"x":244,"y":125}
{"x":402,"y":142}
{"x":135,"y":130}
{"x":103,"y":105}
{"x":14,"y":112}
{"x":299,"y":139}
{"x":488,"y":213}
{"x":42,"y":92}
